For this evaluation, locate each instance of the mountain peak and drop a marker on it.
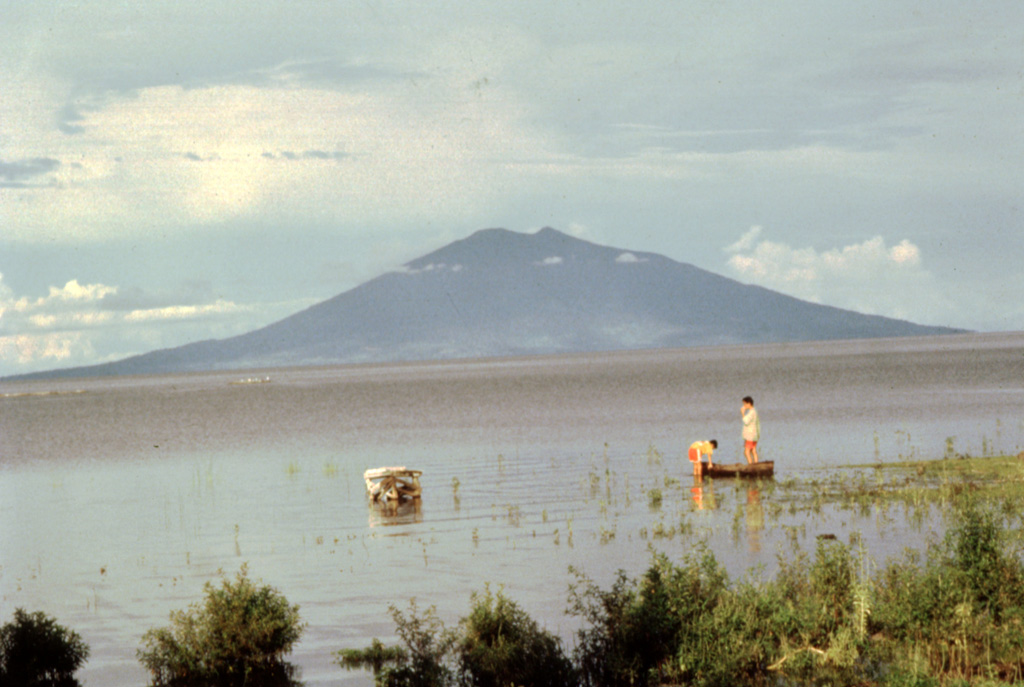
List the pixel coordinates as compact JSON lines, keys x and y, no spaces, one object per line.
{"x":499,"y":293}
{"x":490,"y":247}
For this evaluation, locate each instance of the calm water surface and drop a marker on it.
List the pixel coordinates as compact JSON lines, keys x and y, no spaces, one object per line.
{"x":120,"y":498}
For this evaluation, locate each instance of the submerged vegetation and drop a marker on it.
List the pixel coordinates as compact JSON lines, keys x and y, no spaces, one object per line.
{"x":916,"y":489}
{"x":953,"y":616}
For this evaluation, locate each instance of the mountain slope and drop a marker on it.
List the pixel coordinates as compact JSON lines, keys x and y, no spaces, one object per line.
{"x":499,"y":293}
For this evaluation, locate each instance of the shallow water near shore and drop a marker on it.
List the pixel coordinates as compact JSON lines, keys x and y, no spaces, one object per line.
{"x":120,"y":498}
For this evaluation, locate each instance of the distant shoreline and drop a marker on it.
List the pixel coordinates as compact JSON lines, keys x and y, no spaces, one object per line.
{"x":902,"y":344}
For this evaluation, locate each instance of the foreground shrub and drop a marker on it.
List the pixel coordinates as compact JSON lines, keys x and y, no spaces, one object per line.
{"x":423,"y":661}
{"x":501,"y":646}
{"x":960,"y":612}
{"x":635,"y":629}
{"x":687,"y":624}
{"x":497,"y":645}
{"x":37,"y":652}
{"x":239,"y":636}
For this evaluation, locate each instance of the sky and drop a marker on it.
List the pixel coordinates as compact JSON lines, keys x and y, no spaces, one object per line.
{"x":172,"y":171}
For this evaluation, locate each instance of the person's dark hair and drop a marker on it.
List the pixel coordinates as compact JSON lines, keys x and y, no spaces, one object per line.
{"x":748,"y":399}
{"x":714,"y":442}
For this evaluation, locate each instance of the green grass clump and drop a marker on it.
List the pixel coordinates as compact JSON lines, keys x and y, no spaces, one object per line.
{"x":920,"y":487}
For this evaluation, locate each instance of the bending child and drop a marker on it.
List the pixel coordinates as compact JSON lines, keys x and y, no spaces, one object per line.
{"x":701,"y":448}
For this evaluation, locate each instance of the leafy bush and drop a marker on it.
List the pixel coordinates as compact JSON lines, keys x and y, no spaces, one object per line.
{"x":976,"y":548}
{"x":643,"y":632}
{"x":497,"y":645}
{"x":239,"y":636}
{"x":37,"y":652}
{"x":424,"y":661}
{"x":501,"y":646}
{"x":960,"y":612}
{"x":832,"y":582}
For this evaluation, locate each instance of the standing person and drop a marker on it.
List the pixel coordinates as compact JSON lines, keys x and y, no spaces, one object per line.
{"x":699,"y":448}
{"x":751,"y":430}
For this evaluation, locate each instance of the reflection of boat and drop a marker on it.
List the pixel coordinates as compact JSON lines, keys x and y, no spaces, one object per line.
{"x":391,"y":513}
{"x":763,"y":469}
{"x":393,"y":483}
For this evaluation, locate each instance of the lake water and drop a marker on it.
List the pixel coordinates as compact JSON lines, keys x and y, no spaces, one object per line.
{"x":121,"y":497}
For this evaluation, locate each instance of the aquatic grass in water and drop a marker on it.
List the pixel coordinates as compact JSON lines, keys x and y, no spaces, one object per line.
{"x":918,"y":487}
{"x":953,"y":615}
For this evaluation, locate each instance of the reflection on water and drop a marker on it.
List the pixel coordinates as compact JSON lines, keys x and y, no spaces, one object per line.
{"x":391,"y":513}
{"x":754,"y":514}
{"x":702,"y":494}
{"x":117,"y":504}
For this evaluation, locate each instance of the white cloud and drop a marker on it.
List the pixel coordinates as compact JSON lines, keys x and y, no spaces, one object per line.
{"x":71,"y":301}
{"x":169,"y":156}
{"x":629,"y":258}
{"x":181,"y":312}
{"x":26,"y":349}
{"x":578,"y":230}
{"x":75,"y":324}
{"x":905,"y":252}
{"x":73,"y":291}
{"x":747,"y":241}
{"x":869,"y":277}
{"x":431,"y":267}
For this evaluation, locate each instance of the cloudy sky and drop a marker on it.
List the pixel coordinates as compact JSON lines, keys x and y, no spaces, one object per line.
{"x":181,"y":170}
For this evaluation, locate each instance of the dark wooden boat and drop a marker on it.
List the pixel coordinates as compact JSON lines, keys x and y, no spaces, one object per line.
{"x":763,"y":469}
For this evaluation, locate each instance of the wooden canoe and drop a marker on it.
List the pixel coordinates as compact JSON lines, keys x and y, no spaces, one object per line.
{"x":763,"y":469}
{"x":393,"y":483}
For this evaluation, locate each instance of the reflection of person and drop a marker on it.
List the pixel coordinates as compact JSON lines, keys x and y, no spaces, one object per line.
{"x":754,"y":511}
{"x":701,"y":448}
{"x":751,"y":430}
{"x":755,"y":520}
{"x":702,"y":497}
